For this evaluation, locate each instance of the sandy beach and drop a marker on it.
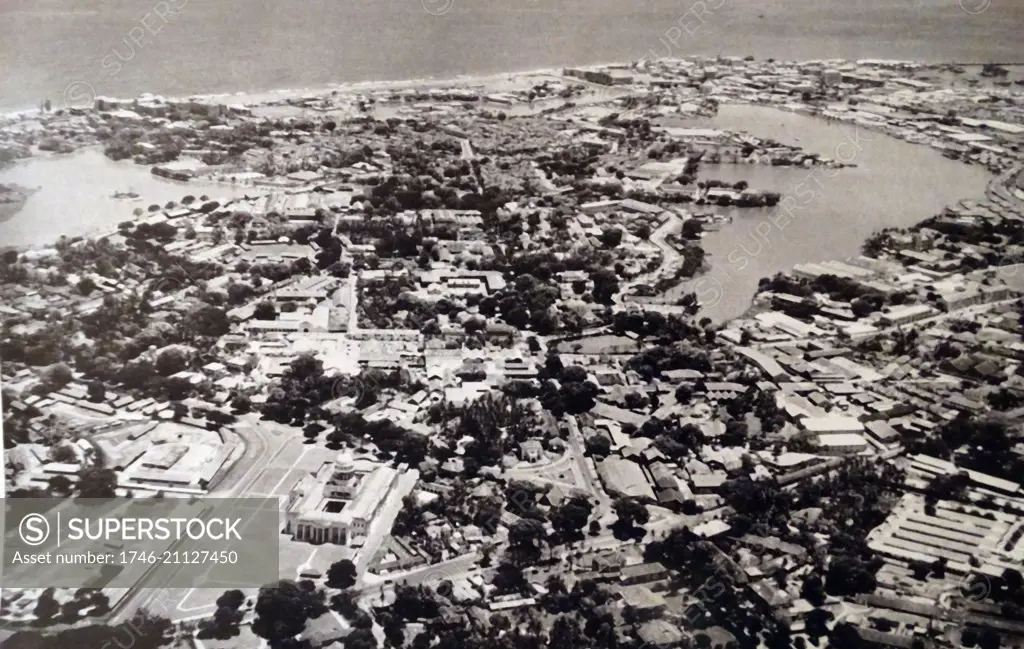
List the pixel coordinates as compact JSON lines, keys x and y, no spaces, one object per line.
{"x":492,"y":83}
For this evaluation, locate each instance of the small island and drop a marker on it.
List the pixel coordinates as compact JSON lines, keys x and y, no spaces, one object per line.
{"x":12,"y":198}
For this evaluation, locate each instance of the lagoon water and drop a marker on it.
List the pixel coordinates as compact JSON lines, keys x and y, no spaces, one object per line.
{"x":123,"y":47}
{"x":895,"y":184}
{"x":831,"y":211}
{"x":48,"y":47}
{"x":75,"y":196}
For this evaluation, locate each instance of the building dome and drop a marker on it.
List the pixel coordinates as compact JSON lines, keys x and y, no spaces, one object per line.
{"x":343,"y":462}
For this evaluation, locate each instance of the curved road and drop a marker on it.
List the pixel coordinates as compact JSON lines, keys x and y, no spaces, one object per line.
{"x":264,"y":442}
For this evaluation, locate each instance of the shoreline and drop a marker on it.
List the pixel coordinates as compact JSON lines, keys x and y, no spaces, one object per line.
{"x":13,"y":198}
{"x":272,"y":95}
{"x":284,"y":95}
{"x":100,"y":232}
{"x":491,"y":82}
{"x":384,"y":84}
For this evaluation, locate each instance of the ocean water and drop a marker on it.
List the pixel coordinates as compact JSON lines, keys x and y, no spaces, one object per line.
{"x":52,"y":49}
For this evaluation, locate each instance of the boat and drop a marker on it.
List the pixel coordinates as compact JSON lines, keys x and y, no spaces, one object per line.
{"x":712,"y":222}
{"x":172,"y":174}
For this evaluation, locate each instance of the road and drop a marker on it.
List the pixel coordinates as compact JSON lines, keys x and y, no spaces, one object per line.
{"x":1003,"y":186}
{"x":541,"y":471}
{"x":353,"y":303}
{"x":580,"y":467}
{"x":456,"y":568}
{"x":669,"y":255}
{"x":468,"y":565}
{"x":385,"y":520}
{"x":265,"y":441}
{"x":658,"y":238}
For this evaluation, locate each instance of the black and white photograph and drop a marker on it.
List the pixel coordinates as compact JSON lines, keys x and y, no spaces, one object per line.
{"x":512,"y":324}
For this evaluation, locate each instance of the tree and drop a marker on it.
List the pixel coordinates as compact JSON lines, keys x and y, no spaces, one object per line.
{"x":635,"y":401}
{"x":65,"y":454}
{"x":566,"y":634}
{"x":920,"y":569}
{"x":817,"y":621}
{"x":599,"y":446}
{"x":611,"y":237}
{"x":735,"y":433}
{"x":100,"y":604}
{"x":208,"y":320}
{"x":342,"y":574}
{"x":631,"y":512}
{"x":335,"y":438}
{"x":412,"y":603}
{"x":171,"y":361}
{"x":508,"y":578}
{"x":241,"y":404}
{"x":282,"y":609}
{"x":238,"y":293}
{"x":46,"y":606}
{"x":394,"y":630}
{"x":813,"y":590}
{"x":571,"y":517}
{"x":1013,"y":581}
{"x":969,"y":637}
{"x":989,"y":639}
{"x":95,"y":482}
{"x":526,"y":534}
{"x":223,"y":625}
{"x":86,"y":286}
{"x":311,"y":431}
{"x":360,"y":639}
{"x":845,"y":636}
{"x":59,"y":486}
{"x":97,"y":392}
{"x":150,"y":629}
{"x":684,"y":393}
{"x":606,"y":285}
{"x":849,"y":576}
{"x":56,"y":376}
{"x":473,"y":325}
{"x":232,"y":599}
{"x":265,"y":311}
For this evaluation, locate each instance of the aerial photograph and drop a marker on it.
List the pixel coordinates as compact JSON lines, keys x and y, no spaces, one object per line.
{"x":512,"y":324}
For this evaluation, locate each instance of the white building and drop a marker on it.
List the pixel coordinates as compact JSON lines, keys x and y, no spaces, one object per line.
{"x":906,"y":314}
{"x":339,"y":501}
{"x":841,"y":444}
{"x":831,"y":424}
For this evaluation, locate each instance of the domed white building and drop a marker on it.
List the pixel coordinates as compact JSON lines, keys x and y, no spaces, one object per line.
{"x":338,"y":502}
